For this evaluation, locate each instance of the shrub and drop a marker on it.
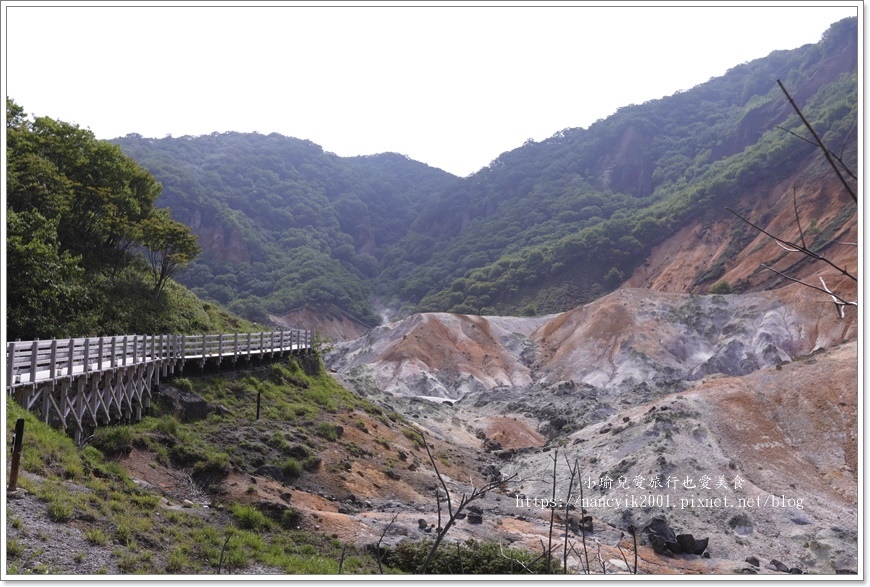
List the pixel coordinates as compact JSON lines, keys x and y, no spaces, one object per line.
{"x":60,"y":511}
{"x":113,"y":440}
{"x":328,"y":431}
{"x":291,"y":468}
{"x":96,"y":536}
{"x":487,"y":558}
{"x":719,"y":288}
{"x":249,"y":518}
{"x":183,"y":384}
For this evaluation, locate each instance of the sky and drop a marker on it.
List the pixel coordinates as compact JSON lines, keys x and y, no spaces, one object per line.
{"x":450,"y":84}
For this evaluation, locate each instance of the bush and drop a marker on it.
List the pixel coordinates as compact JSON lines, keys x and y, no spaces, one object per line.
{"x":328,"y":431}
{"x":183,"y":384}
{"x":719,"y":288}
{"x":249,"y":518}
{"x":291,"y":468}
{"x":476,"y":558}
{"x":113,"y":440}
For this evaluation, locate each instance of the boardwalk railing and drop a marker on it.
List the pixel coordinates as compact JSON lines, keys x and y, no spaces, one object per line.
{"x":86,"y":382}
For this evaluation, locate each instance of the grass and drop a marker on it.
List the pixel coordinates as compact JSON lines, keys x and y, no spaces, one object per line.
{"x":298,"y":403}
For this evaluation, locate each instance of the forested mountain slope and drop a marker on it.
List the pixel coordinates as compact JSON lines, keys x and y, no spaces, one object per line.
{"x":283,"y":223}
{"x":544,"y":227}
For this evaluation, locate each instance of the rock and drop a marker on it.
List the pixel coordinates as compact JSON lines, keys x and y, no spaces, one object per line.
{"x":690,"y":545}
{"x":492,"y":473}
{"x":795,"y":571}
{"x":187,"y":503}
{"x":775,"y":565}
{"x":659,"y":527}
{"x":747,"y":571}
{"x":586,"y":524}
{"x":270,"y":471}
{"x":187,"y":405}
{"x":475,"y":518}
{"x":505,"y":454}
{"x":422,"y":523}
{"x":753,"y":561}
{"x":392,"y":474}
{"x":558,"y":422}
{"x":474,"y":509}
{"x":222,"y":410}
{"x":490,"y":445}
{"x":286,"y":496}
{"x":403,"y":456}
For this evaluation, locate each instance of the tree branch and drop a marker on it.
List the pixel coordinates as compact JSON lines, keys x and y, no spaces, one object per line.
{"x":827,"y":153}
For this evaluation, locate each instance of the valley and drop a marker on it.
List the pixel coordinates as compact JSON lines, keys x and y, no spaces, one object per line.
{"x":585,"y":338}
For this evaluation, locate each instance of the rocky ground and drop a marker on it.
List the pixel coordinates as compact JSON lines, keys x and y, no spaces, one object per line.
{"x":742,"y":408}
{"x":756,"y":390}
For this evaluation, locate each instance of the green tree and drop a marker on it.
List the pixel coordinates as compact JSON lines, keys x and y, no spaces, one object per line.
{"x":169,"y":244}
{"x":44,"y":292}
{"x":96,"y":194}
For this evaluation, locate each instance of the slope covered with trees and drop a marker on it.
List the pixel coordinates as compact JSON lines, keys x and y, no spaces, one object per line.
{"x":80,"y":222}
{"x":543,"y":228}
{"x":284,"y":224}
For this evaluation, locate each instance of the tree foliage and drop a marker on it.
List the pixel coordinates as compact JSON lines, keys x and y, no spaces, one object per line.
{"x":544,"y":227}
{"x":78,"y":213}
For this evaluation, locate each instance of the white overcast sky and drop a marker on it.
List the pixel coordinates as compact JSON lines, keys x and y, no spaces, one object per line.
{"x":453,"y":86}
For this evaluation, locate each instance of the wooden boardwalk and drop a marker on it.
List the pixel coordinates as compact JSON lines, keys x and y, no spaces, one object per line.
{"x":83,"y":383}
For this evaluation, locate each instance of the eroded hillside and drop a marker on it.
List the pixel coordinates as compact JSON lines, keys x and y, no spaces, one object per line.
{"x":742,"y":407}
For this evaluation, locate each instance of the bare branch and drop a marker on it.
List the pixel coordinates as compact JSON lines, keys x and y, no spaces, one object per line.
{"x":454,"y":514}
{"x":800,"y":249}
{"x":378,"y":545}
{"x":837,"y":299}
{"x":797,"y":136}
{"x":827,"y":153}
{"x":797,"y":217}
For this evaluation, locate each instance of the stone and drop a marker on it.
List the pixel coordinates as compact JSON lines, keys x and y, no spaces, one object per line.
{"x":775,"y":565}
{"x":270,"y":471}
{"x":187,"y":405}
{"x":753,"y":561}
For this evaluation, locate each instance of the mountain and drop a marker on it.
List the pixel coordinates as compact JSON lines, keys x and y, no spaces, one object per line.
{"x":754,"y":392}
{"x":282,"y":223}
{"x":545,"y":227}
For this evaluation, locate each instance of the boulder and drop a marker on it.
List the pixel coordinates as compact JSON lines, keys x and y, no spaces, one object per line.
{"x":775,"y":565}
{"x":186,"y":405}
{"x":270,"y":471}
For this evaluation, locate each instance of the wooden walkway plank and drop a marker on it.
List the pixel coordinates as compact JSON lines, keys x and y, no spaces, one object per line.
{"x":102,"y":379}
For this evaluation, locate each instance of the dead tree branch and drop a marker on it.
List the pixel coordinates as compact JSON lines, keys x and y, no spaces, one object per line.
{"x":378,"y":545}
{"x":828,"y":155}
{"x":453,"y":514}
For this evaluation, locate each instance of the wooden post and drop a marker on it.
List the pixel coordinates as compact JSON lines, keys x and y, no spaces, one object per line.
{"x":70,"y":357}
{"x":10,"y":362}
{"x":16,"y":454}
{"x":258,"y":405}
{"x":52,"y":372}
{"x":34,"y":353}
{"x":87,"y":360}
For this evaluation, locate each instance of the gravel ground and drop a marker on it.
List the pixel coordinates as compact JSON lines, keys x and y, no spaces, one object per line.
{"x":49,"y":547}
